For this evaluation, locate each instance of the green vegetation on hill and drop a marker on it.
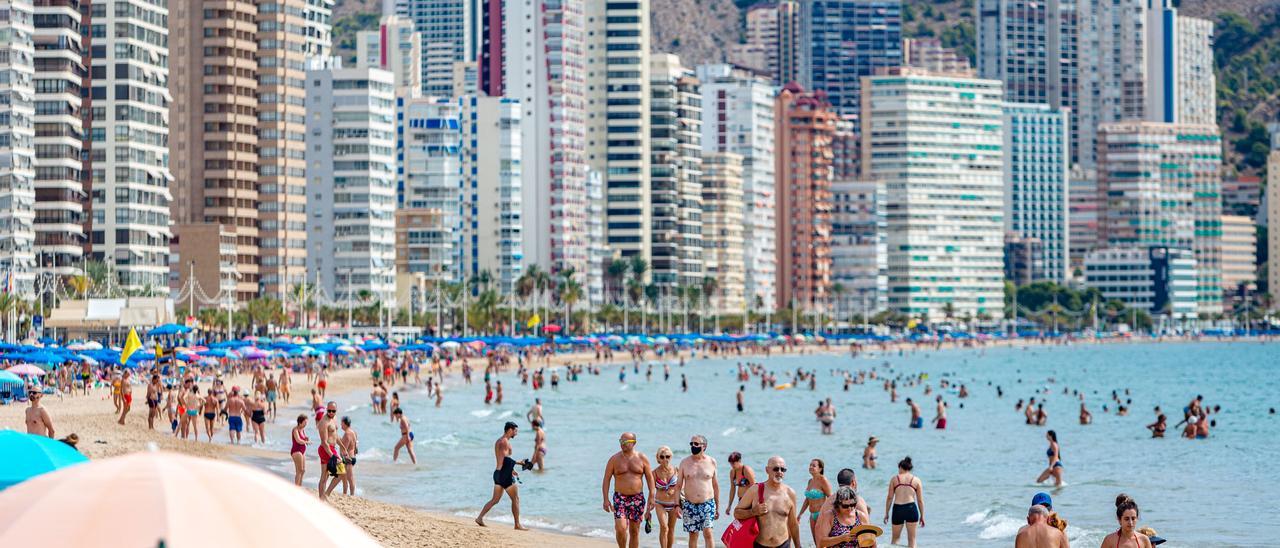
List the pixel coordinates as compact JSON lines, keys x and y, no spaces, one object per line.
{"x":344,"y":34}
{"x":1247,"y":62}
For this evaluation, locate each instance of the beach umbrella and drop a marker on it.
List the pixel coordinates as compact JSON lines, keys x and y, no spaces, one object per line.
{"x":450,"y":344}
{"x":187,"y":501}
{"x":9,"y":378}
{"x":476,"y":345}
{"x":169,"y":329}
{"x":26,"y":370}
{"x":29,"y":455}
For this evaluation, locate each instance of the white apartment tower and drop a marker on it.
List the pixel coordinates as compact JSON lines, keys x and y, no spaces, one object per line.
{"x":935,"y":142}
{"x":129,"y":132}
{"x":675,"y":181}
{"x":450,"y":35}
{"x":17,"y":148}
{"x":1037,"y":145}
{"x":59,"y":137}
{"x":618,"y":121}
{"x":429,"y":165}
{"x":492,"y":207}
{"x":351,"y":168}
{"x":737,"y":117}
{"x":397,"y":47}
{"x":722,"y":216}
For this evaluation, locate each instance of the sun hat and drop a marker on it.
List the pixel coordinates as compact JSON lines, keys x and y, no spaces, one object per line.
{"x":866,"y":534}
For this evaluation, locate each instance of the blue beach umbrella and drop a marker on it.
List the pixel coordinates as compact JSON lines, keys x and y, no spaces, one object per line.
{"x":29,"y":455}
{"x":11,"y":379}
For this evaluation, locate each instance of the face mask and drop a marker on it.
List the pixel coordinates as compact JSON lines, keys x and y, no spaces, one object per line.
{"x":695,"y":449}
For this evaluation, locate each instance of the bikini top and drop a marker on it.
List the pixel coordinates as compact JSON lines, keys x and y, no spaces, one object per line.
{"x":899,"y":483}
{"x":665,"y":485}
{"x":815,"y":494}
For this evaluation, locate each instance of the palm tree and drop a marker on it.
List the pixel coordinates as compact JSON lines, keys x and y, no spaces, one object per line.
{"x":709,"y":287}
{"x":570,"y":294}
{"x":635,"y":287}
{"x":837,"y":291}
{"x":651,"y":294}
{"x":949,"y":310}
{"x":635,"y":292}
{"x":693,"y":296}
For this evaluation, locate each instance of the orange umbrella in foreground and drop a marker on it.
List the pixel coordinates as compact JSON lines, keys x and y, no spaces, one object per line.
{"x":143,"y":499}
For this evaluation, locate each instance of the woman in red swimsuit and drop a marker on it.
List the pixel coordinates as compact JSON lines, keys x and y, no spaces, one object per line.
{"x":1127,"y":536}
{"x":299,"y":450}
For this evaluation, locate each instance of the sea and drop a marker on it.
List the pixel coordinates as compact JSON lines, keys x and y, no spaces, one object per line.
{"x":978,"y":474}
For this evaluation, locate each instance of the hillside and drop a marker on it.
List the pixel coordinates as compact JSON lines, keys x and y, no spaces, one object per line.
{"x":696,"y":30}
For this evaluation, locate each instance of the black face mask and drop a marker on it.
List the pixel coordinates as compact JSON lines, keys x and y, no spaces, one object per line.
{"x":695,"y":449}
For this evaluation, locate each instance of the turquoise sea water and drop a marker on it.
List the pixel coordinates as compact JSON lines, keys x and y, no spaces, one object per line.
{"x":978,"y":474}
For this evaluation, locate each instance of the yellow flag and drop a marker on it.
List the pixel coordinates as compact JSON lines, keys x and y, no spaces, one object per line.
{"x":534,"y":321}
{"x":131,"y":345}
{"x":911,"y":324}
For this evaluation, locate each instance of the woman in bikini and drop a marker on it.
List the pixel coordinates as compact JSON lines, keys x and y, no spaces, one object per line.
{"x":1126,"y":536}
{"x":905,"y":503}
{"x":740,"y":477}
{"x":1055,"y":460}
{"x":847,"y":518}
{"x":869,"y":453}
{"x":1157,"y":428}
{"x":815,"y":493}
{"x":666,"y":497}
{"x":299,"y":450}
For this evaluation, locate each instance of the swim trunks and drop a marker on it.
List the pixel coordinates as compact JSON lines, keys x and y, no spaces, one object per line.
{"x":942,"y":424}
{"x":785,"y":544}
{"x":628,"y":506}
{"x":905,"y":513}
{"x":210,"y":416}
{"x":192,"y":412}
{"x":917,"y":422}
{"x":698,"y":516}
{"x":236,"y":423}
{"x":128,"y":398}
{"x":504,"y":476}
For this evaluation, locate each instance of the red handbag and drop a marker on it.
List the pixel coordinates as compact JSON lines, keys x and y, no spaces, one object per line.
{"x":742,"y":533}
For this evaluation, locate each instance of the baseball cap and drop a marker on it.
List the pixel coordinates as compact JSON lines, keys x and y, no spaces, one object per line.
{"x":1042,"y":499}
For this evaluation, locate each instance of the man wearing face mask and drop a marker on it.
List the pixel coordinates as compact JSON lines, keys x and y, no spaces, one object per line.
{"x":699,"y":492}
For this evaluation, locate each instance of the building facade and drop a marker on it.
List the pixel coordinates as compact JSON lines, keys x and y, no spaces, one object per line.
{"x":935,"y":142}
{"x":1273,"y":214}
{"x":842,"y":41}
{"x":1162,"y":185}
{"x":738,"y":117}
{"x":1023,"y":259}
{"x":929,"y":54}
{"x":1037,"y":142}
{"x":762,"y":33}
{"x":59,"y":138}
{"x":789,"y":43}
{"x":352,"y":203}
{"x":17,"y":148}
{"x":429,"y":163}
{"x":859,"y":254}
{"x":1160,"y":280}
{"x":804,"y":134}
{"x":451,"y":33}
{"x":129,"y":98}
{"x":397,"y":47}
{"x":723,"y":210}
{"x":1239,"y":253}
{"x":675,"y":174}
{"x":492,"y":208}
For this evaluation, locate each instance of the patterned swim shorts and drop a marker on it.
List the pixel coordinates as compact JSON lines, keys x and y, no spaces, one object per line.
{"x":698,"y":516}
{"x":628,"y":506}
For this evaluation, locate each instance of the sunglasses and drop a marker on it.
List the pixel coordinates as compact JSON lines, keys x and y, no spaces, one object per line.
{"x":782,"y":469}
{"x":331,"y":412}
{"x":664,"y":457}
{"x":695,"y":444}
{"x":848,"y":506}
{"x":627,"y":442}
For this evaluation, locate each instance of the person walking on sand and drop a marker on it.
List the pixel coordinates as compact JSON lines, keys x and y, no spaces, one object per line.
{"x":210,"y":409}
{"x":773,"y":504}
{"x":917,"y":421}
{"x":1055,"y":460}
{"x":153,"y":401}
{"x":504,"y":476}
{"x":539,"y":445}
{"x":1037,"y":533}
{"x":298,"y":451}
{"x":235,"y":415}
{"x":665,"y":478}
{"x":629,"y":472}
{"x":38,"y":421}
{"x":905,"y":503}
{"x":126,"y":397}
{"x":700,"y":492}
{"x":406,"y":437}
{"x":349,"y":443}
{"x":192,"y":402}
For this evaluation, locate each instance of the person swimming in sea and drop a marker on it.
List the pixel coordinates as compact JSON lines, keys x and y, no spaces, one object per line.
{"x":1157,"y":428}
{"x":916,"y":420}
{"x":869,"y":453}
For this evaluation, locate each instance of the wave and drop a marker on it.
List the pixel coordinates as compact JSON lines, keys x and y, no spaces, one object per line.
{"x":481,"y":413}
{"x":994,"y":525}
{"x":730,"y":431}
{"x":449,"y":439}
{"x":506,"y":414}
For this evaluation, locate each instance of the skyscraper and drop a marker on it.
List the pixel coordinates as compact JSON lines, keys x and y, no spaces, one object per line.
{"x":130,"y":171}
{"x":17,"y":148}
{"x":738,"y":117}
{"x":675,"y":173}
{"x":1037,"y":154}
{"x":762,"y":32}
{"x":617,"y":78}
{"x":841,"y":41}
{"x":1273,"y":214}
{"x":1239,"y":253}
{"x":859,"y":256}
{"x":59,"y":192}
{"x":493,"y":230}
{"x":935,"y":143}
{"x":451,"y":33}
{"x":789,"y":43}
{"x":1161,"y":185}
{"x":805,"y":130}
{"x":428,"y":160}
{"x":350,"y":133}
{"x":722,"y":222}
{"x":397,"y":47}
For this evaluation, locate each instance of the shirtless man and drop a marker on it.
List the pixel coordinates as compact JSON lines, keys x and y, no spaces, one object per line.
{"x":126,"y":397}
{"x":235,"y":415}
{"x":1037,"y":533}
{"x":328,"y":442}
{"x":916,"y":420}
{"x":539,"y":445}
{"x":406,"y":437}
{"x":504,"y":476}
{"x":153,"y":401}
{"x":535,"y":412}
{"x":775,"y":512}
{"x":629,"y":472}
{"x":940,"y":418}
{"x":699,"y":491}
{"x":350,"y":445}
{"x":210,"y":409}
{"x":38,"y":421}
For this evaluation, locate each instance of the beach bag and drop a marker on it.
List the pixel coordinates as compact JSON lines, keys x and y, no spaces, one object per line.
{"x":743,"y":533}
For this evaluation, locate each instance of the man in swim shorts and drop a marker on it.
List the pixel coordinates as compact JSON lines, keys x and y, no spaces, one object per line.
{"x":629,"y":471}
{"x":916,"y":420}
{"x":235,"y":415}
{"x":699,"y":492}
{"x":940,"y":417}
{"x":504,"y":476}
{"x":126,"y":397}
{"x":773,"y":504}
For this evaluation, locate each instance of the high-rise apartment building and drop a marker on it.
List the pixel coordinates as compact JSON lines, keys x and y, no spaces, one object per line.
{"x":451,"y":33}
{"x":675,"y":180}
{"x":805,"y":130}
{"x":59,"y":137}
{"x":929,"y":54}
{"x":1273,"y":214}
{"x":492,"y":208}
{"x":547,"y":73}
{"x":738,"y":117}
{"x":1037,"y":142}
{"x":397,"y":47}
{"x":617,"y":78}
{"x":1160,"y":280}
{"x":429,"y":181}
{"x":789,"y":43}
{"x":1239,"y":253}
{"x":1031,"y":46}
{"x":17,"y":147}
{"x":1161,"y":185}
{"x":936,"y":142}
{"x":762,"y":33}
{"x":351,"y":169}
{"x":859,"y":256}
{"x":1191,"y":94}
{"x":842,"y":41}
{"x":129,"y":157}
{"x":722,"y":235}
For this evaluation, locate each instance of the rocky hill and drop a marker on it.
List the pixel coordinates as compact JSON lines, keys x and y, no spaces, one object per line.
{"x":698,"y":31}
